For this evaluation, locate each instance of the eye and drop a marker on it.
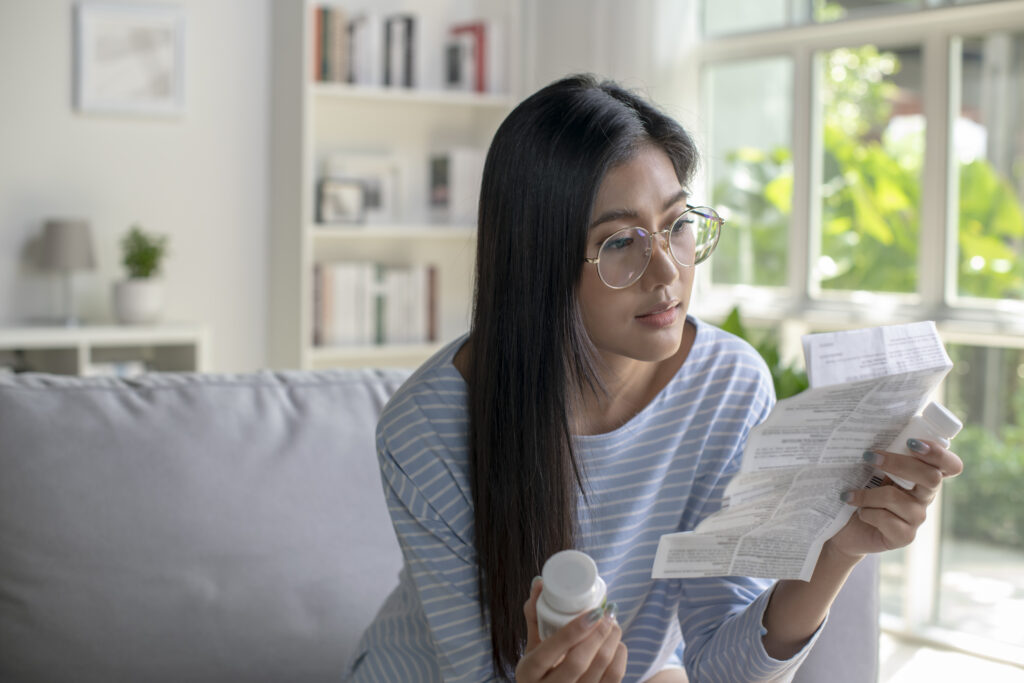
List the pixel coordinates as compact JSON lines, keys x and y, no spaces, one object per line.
{"x":619,"y":242}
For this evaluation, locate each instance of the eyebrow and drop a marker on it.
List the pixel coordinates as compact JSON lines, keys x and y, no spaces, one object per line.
{"x":617,"y":214}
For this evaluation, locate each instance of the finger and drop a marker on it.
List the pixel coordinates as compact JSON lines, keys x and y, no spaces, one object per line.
{"x":945,"y":460}
{"x":893,"y":531}
{"x":580,"y":657}
{"x":530,"y":612}
{"x":550,"y":651}
{"x":605,"y":654}
{"x":617,"y":669}
{"x":914,"y":468}
{"x":897,"y":501}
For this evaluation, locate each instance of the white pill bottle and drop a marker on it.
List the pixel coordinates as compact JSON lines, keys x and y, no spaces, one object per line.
{"x":572,"y":586}
{"x":935,"y":423}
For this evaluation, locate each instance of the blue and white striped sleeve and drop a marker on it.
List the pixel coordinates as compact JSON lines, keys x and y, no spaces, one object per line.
{"x":442,"y":565}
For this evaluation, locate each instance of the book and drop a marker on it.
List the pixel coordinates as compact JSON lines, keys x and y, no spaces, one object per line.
{"x":472,"y":39}
{"x":478,"y":46}
{"x":400,"y":50}
{"x":454,"y":183}
{"x":363,"y":303}
{"x":337,"y":45}
{"x":460,"y":63}
{"x":365,"y":43}
{"x":318,"y":43}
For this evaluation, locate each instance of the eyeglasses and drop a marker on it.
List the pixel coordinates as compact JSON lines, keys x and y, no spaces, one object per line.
{"x":623,"y":257}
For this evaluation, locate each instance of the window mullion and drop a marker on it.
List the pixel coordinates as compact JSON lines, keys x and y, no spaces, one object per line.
{"x":936,"y":270}
{"x":803,"y":241}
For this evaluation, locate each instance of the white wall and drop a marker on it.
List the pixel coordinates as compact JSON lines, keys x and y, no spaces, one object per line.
{"x":200,"y":178}
{"x":642,"y":44}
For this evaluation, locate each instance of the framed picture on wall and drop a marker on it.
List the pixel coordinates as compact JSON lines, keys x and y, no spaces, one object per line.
{"x":381,"y":175}
{"x":129,"y":59}
{"x":341,"y":200}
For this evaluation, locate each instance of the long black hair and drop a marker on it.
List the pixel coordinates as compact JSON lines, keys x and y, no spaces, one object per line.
{"x":530,"y":358}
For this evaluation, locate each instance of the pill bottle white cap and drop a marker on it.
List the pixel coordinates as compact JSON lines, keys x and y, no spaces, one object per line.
{"x":570,"y":581}
{"x":946,"y":423}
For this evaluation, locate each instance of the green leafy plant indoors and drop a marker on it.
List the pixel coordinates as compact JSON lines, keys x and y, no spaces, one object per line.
{"x":142,"y":252}
{"x":789,"y":379}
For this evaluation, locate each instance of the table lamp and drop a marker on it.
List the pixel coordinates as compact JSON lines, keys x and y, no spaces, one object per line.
{"x":67,"y":247}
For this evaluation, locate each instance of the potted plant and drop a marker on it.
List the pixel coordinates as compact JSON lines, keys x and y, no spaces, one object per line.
{"x":138,"y":299}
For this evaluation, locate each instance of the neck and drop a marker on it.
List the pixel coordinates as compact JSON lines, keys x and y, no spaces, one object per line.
{"x":630,"y":385}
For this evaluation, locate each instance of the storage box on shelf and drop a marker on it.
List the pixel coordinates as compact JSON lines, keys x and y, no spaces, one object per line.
{"x":332,"y":136}
{"x":104,"y":349}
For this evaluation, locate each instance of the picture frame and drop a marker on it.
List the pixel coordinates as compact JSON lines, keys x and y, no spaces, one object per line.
{"x":381,"y":176}
{"x":341,"y":200}
{"x":129,"y":59}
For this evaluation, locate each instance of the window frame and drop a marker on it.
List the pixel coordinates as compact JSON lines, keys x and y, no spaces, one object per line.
{"x":801,"y":305}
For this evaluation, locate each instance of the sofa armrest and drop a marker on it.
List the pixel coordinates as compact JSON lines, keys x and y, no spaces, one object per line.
{"x":847,"y":650}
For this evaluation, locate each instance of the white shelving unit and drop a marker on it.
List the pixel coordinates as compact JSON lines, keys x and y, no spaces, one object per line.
{"x":74,"y":350}
{"x":312,"y":119}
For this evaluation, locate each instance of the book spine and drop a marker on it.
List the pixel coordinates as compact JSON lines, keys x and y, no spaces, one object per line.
{"x":318,"y":46}
{"x":338,"y":45}
{"x":410,"y":52}
{"x":389,"y":51}
{"x":317,"y":305}
{"x":379,"y":304}
{"x":432,"y":296}
{"x":325,"y":37}
{"x":477,"y":31}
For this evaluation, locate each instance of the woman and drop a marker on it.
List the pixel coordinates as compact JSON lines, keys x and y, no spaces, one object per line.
{"x":586,"y":409}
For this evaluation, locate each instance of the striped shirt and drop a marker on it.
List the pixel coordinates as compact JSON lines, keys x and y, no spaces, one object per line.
{"x":663,"y":471}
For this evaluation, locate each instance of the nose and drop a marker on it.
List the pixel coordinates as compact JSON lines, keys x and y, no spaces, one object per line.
{"x":662,"y":268}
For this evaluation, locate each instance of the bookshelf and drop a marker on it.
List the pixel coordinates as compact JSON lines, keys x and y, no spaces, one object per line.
{"x":312,"y":120}
{"x":105,"y":349}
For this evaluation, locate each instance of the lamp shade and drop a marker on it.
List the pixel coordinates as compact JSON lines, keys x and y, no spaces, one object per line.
{"x":67,"y":245}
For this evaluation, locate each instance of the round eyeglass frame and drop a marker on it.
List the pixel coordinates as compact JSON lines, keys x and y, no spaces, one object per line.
{"x":705,"y":212}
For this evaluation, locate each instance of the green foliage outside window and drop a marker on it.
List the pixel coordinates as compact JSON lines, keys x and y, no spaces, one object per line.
{"x":870,"y":199}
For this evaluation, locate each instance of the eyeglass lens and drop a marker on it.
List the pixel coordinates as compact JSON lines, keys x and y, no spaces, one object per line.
{"x":624,"y":256}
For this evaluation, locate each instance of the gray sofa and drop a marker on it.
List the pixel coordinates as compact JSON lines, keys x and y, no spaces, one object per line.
{"x":186,"y":527}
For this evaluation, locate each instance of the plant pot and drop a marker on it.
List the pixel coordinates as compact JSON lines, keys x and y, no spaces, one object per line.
{"x":138,"y":301}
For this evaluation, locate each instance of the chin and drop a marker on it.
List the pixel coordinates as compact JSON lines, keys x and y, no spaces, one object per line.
{"x":657,"y":345}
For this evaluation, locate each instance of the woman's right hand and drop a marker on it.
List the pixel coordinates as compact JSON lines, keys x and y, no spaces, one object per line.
{"x":588,"y":649}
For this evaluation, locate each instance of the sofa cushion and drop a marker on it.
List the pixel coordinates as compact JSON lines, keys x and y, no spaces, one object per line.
{"x":187,"y":527}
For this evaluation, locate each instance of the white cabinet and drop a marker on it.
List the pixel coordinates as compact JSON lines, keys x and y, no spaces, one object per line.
{"x":104,"y":349}
{"x":311,"y":121}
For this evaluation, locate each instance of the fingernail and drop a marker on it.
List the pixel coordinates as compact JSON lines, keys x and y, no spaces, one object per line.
{"x":846,"y":496}
{"x":917,"y":446}
{"x":872,"y":457}
{"x":533,"y":584}
{"x":611,"y":610}
{"x":594,"y":615}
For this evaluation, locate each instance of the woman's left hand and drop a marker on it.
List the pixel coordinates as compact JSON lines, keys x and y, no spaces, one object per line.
{"x":889,"y":516}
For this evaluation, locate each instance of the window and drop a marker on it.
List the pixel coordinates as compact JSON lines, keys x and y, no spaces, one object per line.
{"x":872,"y":148}
{"x":988,"y":145}
{"x":750,"y":166}
{"x":869,"y":156}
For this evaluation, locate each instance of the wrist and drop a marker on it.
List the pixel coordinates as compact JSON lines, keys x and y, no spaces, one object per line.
{"x":833,"y":556}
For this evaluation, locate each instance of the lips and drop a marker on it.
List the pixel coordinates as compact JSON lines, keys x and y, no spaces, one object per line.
{"x":662,"y":316}
{"x":660,"y":308}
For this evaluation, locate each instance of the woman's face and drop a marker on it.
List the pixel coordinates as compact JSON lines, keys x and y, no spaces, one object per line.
{"x":645,"y":320}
